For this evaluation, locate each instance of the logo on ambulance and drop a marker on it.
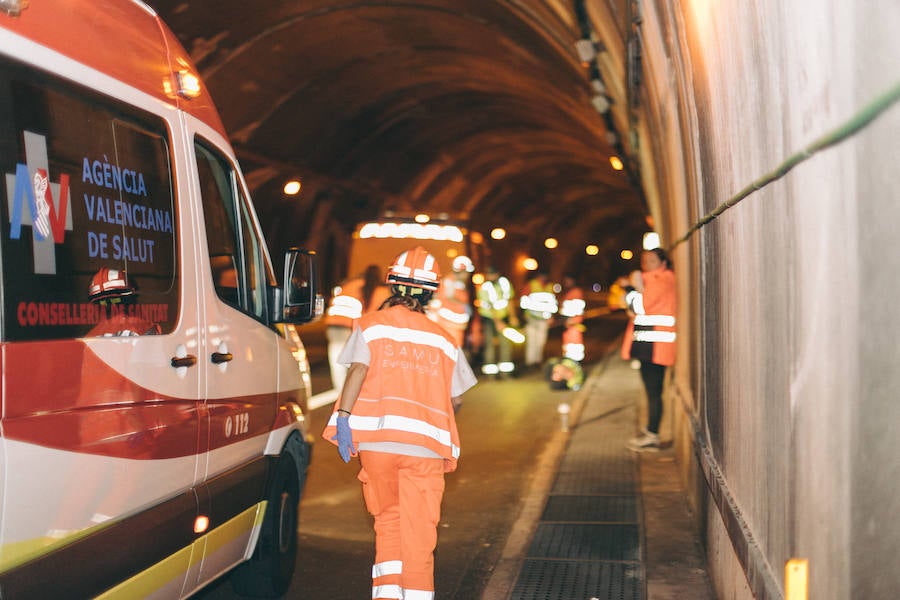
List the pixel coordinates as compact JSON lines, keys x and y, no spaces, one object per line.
{"x":47,"y":203}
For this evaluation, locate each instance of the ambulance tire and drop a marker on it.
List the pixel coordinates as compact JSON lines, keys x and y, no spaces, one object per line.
{"x":269,"y":571}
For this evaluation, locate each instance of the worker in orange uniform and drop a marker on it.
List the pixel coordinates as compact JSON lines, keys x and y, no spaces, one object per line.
{"x":397,"y":411}
{"x":351,"y":300}
{"x":650,"y":337}
{"x":571,"y":309}
{"x":451,"y":306}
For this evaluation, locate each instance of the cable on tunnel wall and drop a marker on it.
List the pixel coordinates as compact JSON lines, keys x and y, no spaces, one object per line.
{"x":859,"y":121}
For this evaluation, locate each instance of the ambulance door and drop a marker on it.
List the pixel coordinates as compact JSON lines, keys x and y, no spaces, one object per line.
{"x":240,"y":352}
{"x":100,"y":324}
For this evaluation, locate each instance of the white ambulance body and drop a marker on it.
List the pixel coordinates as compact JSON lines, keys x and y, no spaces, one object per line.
{"x":152,"y":434}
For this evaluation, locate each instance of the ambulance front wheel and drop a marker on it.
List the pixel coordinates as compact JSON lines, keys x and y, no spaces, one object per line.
{"x":269,"y":572}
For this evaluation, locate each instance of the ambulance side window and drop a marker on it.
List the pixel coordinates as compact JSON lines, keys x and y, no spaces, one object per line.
{"x":236,"y":256}
{"x":89,"y":223}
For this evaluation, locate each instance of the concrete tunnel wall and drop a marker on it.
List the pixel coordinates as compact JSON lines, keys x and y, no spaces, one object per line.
{"x":783,"y":405}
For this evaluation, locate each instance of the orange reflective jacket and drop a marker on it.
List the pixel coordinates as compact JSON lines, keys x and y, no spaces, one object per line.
{"x":651,"y":332}
{"x":405,"y":397}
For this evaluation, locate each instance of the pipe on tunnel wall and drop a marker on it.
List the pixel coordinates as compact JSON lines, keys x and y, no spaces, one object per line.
{"x":786,"y":381}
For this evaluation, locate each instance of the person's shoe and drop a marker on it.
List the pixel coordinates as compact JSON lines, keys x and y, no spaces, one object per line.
{"x":645,"y":442}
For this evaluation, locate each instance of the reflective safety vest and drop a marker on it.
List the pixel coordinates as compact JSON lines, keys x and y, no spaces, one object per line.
{"x":572,"y":308}
{"x":450,"y":307}
{"x":494,"y":298}
{"x":347,"y":302}
{"x":405,"y":398}
{"x":538,"y":301}
{"x":650,"y":335}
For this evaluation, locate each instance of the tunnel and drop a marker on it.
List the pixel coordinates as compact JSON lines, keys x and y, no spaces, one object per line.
{"x":757,"y":139}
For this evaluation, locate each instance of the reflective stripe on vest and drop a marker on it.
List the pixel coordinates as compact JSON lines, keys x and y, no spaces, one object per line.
{"x":388,"y":567}
{"x":643,"y":335}
{"x":402,"y":334}
{"x":573,"y":307}
{"x":400,"y":423}
{"x":345,"y":306}
{"x":654,"y":320}
{"x":542,"y":303}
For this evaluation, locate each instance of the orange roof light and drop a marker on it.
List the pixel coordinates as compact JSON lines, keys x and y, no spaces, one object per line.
{"x":188,"y":84}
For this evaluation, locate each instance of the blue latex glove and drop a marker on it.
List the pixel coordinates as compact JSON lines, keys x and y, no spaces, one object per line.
{"x":344,"y":438}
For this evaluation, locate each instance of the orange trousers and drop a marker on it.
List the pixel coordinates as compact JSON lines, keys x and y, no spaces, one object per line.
{"x":404,"y":495}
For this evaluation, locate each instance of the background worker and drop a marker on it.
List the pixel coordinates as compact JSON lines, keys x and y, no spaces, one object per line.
{"x":538,"y":302}
{"x":650,"y":337}
{"x":451,"y":306}
{"x":571,"y":309}
{"x":397,"y":409}
{"x":351,"y":300}
{"x":497,"y":311}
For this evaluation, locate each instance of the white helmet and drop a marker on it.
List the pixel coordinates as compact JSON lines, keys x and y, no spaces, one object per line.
{"x":463,"y":263}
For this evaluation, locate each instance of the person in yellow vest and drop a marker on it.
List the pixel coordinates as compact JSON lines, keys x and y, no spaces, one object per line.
{"x":451,"y":307}
{"x":538,"y":302}
{"x":351,"y":300}
{"x":650,"y":336}
{"x":396,"y":411}
{"x":497,"y":311}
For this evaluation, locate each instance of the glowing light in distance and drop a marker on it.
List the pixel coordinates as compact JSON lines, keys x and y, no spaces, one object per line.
{"x":651,"y":240}
{"x":478,"y":278}
{"x":422,"y":218}
{"x":476,"y":237}
{"x":551,"y":243}
{"x":416,"y":231}
{"x":292,"y":188}
{"x":591,"y":250}
{"x":530,"y":264}
{"x":626,"y":254}
{"x":616,"y":163}
{"x":498,"y":233}
{"x":596,"y":287}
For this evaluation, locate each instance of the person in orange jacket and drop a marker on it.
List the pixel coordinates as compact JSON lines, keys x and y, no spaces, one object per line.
{"x":650,"y":336}
{"x":351,"y":300}
{"x":396,"y":411}
{"x":451,"y":306}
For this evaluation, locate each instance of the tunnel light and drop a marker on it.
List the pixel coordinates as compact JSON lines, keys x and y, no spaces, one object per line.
{"x":188,"y":84}
{"x":616,"y":163}
{"x":422,"y":218}
{"x":626,"y":254}
{"x":591,"y":250}
{"x":601,"y":103}
{"x":292,"y":188}
{"x":530,"y":264}
{"x":417,"y":231}
{"x":476,"y":237}
{"x":651,"y":240}
{"x":498,"y":233}
{"x":586,"y":50}
{"x":478,"y":279}
{"x":551,"y":243}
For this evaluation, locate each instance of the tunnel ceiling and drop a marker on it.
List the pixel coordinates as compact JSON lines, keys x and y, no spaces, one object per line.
{"x":479,"y":109}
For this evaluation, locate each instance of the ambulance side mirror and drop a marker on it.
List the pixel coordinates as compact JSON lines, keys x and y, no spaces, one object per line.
{"x":298,"y":300}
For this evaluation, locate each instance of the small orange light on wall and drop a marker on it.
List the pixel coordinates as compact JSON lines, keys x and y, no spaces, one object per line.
{"x":551,"y":243}
{"x":530,"y":264}
{"x":616,"y":163}
{"x":498,"y":233}
{"x":591,"y":250}
{"x":293,"y":187}
{"x":627,"y":254}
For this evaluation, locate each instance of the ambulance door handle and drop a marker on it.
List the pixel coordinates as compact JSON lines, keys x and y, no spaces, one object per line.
{"x":221,"y":357}
{"x":184,"y":361}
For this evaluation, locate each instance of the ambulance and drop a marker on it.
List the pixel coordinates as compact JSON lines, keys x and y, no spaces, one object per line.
{"x":153,"y":435}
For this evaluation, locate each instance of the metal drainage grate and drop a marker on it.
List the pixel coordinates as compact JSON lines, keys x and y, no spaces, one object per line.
{"x":604,"y":509}
{"x":575,"y":580}
{"x":585,"y":542}
{"x":577,"y":483}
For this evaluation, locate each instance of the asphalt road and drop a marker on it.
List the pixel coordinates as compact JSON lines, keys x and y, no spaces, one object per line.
{"x":504,"y":426}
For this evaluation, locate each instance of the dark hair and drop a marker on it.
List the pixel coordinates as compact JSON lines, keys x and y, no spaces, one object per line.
{"x":663,"y":256}
{"x":413,"y":298}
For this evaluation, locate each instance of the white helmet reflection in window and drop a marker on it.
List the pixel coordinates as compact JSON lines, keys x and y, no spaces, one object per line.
{"x":110,"y":286}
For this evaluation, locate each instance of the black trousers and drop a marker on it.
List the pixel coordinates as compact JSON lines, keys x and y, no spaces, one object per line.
{"x":653,"y":376}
